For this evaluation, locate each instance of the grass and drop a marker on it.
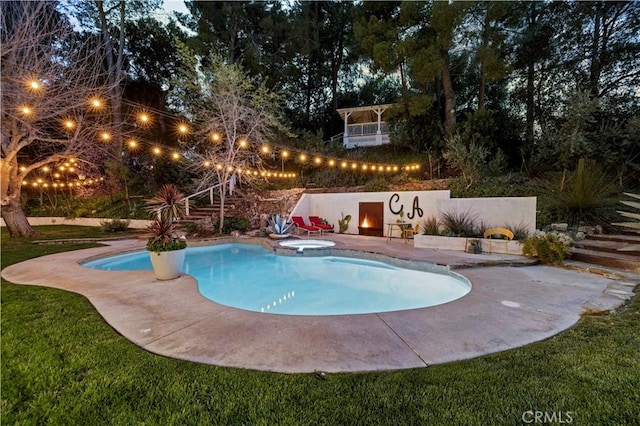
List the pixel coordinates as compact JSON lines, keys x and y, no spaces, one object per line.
{"x":62,"y":364}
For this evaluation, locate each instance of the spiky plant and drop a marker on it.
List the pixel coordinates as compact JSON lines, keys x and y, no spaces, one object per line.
{"x":633,"y":225}
{"x":278,"y":225}
{"x":459,"y":224}
{"x":167,"y":203}
{"x":431,"y":226}
{"x":163,"y":237}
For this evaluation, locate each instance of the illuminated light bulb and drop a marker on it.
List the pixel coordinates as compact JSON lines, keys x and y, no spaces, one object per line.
{"x":69,"y":124}
{"x":156,"y":151}
{"x":230,"y":168}
{"x":39,"y":180}
{"x":72,"y":160}
{"x":332,"y":163}
{"x":284,"y":154}
{"x":26,"y":110}
{"x":175,"y":156}
{"x":62,"y":168}
{"x":106,"y":136}
{"x":255,"y":173}
{"x":219,"y":166}
{"x":215,"y":136}
{"x":364,"y":167}
{"x":302,"y":157}
{"x":207,"y":164}
{"x":269,"y":174}
{"x":56,"y":175}
{"x":72,"y":169}
{"x":62,"y":185}
{"x":24,"y":182}
{"x":46,"y":185}
{"x":343,"y":164}
{"x":34,"y":184}
{"x":133,"y":143}
{"x":183,"y":128}
{"x":317,"y":160}
{"x":381,"y":168}
{"x":55,"y":185}
{"x":354,"y":166}
{"x":239,"y":170}
{"x":96,"y":103}
{"x":34,"y":85}
{"x":388,"y":168}
{"x":67,"y":164}
{"x":242,"y":143}
{"x":265,"y":149}
{"x":395,"y":168}
{"x":23,"y":168}
{"x":144,"y":118}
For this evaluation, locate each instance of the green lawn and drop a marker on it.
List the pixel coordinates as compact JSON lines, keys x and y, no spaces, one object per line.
{"x":61,"y":364}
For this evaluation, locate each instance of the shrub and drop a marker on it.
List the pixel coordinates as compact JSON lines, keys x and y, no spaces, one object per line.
{"x":548,"y":247}
{"x":377,"y":185}
{"x":235,"y":223}
{"x":115,"y":225}
{"x":431,"y":226}
{"x":520,"y":231}
{"x":459,"y":224}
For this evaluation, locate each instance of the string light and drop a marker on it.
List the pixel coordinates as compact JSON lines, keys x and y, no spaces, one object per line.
{"x":34,"y":85}
{"x":26,"y":110}
{"x":133,"y":144}
{"x":215,"y":137}
{"x":69,"y":124}
{"x":144,"y":118}
{"x":96,"y":103}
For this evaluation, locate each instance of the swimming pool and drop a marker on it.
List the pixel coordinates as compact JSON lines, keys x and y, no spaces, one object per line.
{"x":253,"y":278}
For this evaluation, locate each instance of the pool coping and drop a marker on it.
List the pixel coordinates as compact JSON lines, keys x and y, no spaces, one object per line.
{"x":507,"y":307}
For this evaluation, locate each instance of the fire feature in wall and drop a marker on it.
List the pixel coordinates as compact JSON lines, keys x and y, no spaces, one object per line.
{"x":370,"y":219}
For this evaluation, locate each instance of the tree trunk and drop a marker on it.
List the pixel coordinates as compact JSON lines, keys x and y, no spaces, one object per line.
{"x":15,"y":219}
{"x":449,"y":96}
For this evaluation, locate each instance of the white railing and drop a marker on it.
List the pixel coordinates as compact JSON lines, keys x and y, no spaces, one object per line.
{"x":210,"y":190}
{"x":366,"y":128}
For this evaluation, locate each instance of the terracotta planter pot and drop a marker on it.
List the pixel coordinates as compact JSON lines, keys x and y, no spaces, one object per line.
{"x":167,"y":265}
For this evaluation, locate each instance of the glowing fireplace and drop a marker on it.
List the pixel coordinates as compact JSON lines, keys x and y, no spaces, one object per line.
{"x":370,"y":219}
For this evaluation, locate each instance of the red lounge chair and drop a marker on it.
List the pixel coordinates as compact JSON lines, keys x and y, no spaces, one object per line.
{"x":317,"y":222}
{"x":299,"y":221}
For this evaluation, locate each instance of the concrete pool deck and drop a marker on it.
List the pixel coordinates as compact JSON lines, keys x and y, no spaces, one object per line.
{"x":508,"y":307}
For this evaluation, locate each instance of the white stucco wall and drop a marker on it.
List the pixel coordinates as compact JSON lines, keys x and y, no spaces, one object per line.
{"x":330,"y":206}
{"x":495,"y":211}
{"x":498,"y":211}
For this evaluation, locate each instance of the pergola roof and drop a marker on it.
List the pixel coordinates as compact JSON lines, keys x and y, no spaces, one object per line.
{"x":363,"y":114}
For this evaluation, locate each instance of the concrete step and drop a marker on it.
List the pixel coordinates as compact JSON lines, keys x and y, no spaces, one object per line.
{"x":621,"y":238}
{"x":608,"y":246}
{"x":614,"y":260}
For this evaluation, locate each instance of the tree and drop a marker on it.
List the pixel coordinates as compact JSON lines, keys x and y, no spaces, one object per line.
{"x":232,"y":116}
{"x":54,"y":100}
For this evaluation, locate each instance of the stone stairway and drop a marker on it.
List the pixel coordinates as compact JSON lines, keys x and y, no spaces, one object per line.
{"x":233,"y":206}
{"x":603,"y":250}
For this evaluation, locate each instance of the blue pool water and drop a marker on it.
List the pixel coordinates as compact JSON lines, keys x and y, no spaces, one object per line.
{"x":253,"y":278}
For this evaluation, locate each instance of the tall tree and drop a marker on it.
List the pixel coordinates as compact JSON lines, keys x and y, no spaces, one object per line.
{"x":232,"y":116}
{"x":54,"y":97}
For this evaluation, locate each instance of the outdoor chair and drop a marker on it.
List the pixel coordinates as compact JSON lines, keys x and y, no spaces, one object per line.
{"x":299,"y":221}
{"x":317,"y":222}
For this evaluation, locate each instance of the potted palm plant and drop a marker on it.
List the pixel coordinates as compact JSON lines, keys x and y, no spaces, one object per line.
{"x":166,"y":248}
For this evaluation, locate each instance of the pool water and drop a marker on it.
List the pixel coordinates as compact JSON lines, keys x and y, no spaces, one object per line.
{"x":253,"y":278}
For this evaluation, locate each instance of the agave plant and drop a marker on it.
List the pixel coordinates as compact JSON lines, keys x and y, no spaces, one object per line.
{"x":343,"y":223}
{"x":278,"y":225}
{"x":635,"y":225}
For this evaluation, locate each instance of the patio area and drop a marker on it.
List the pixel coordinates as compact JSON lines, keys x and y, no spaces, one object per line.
{"x":512,"y":303}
